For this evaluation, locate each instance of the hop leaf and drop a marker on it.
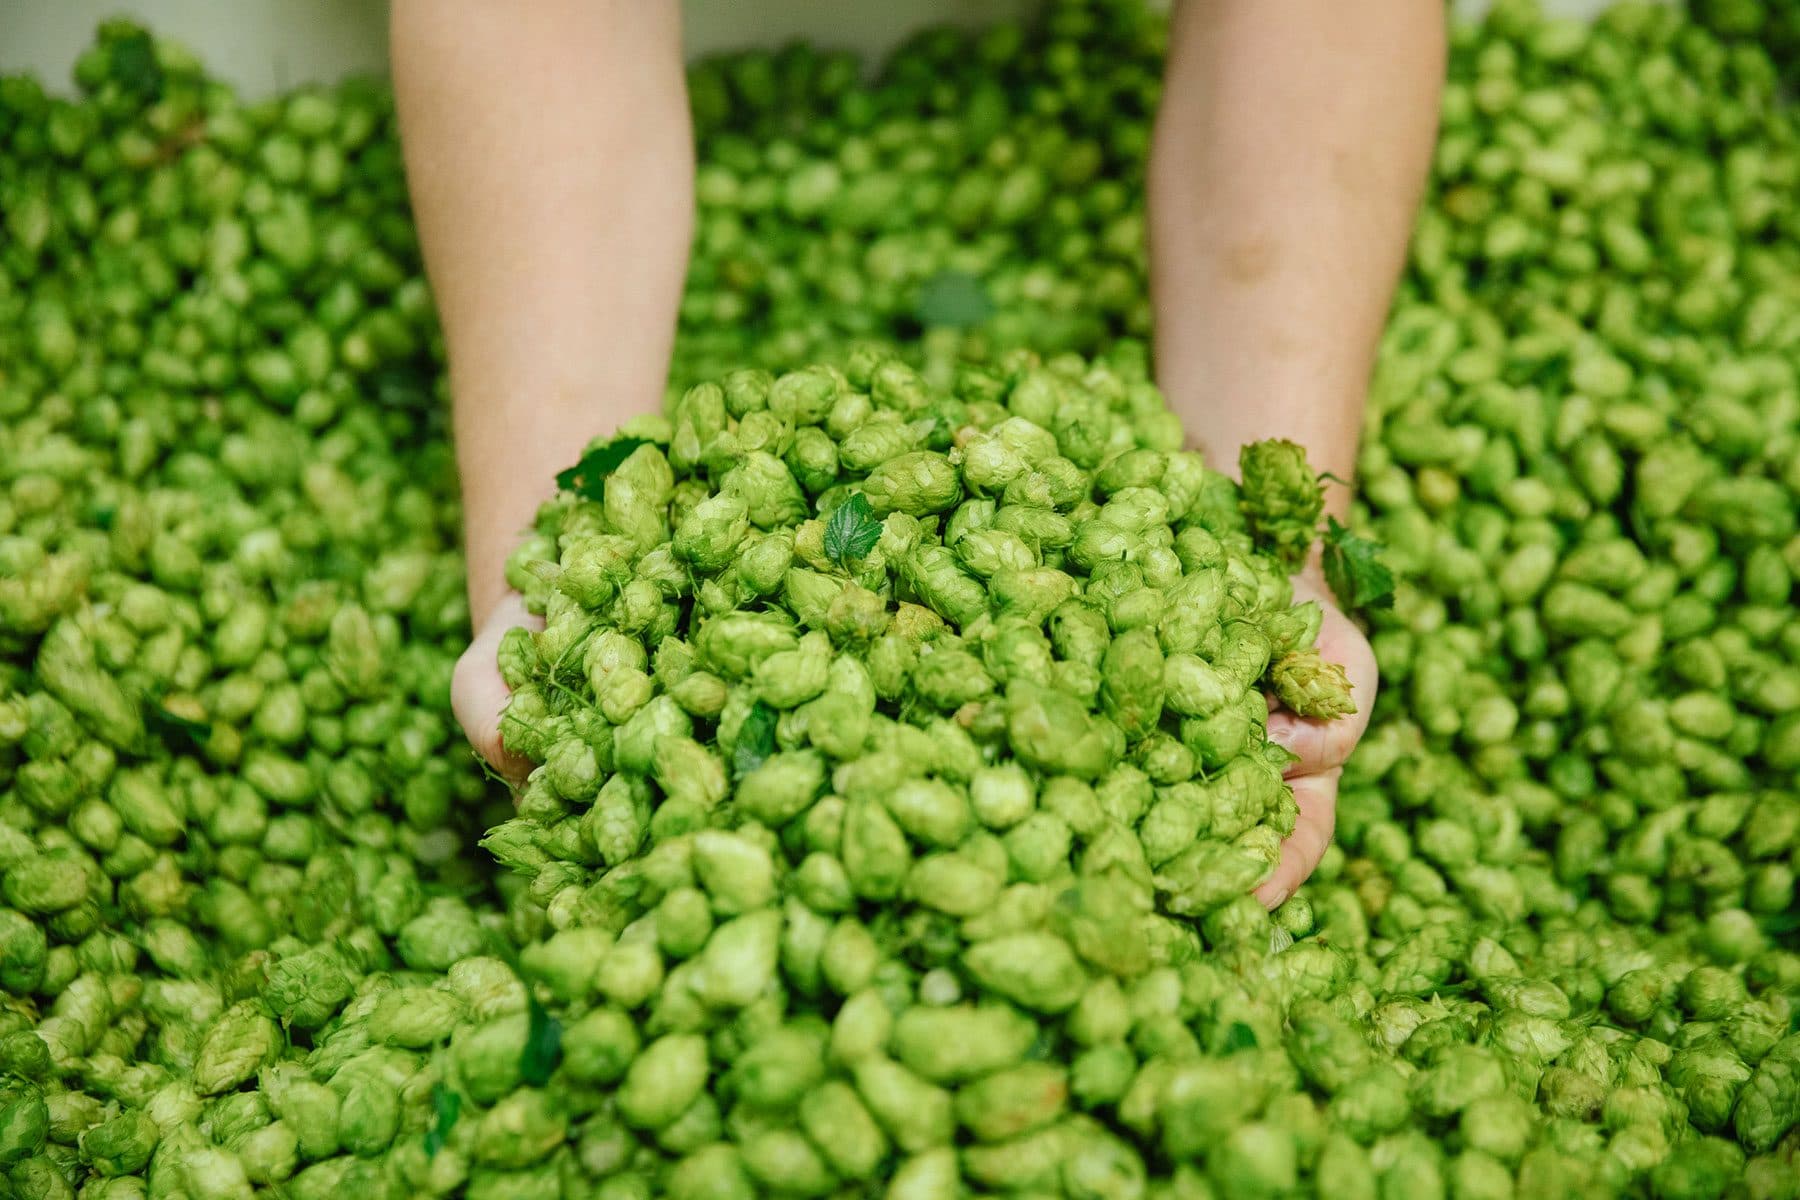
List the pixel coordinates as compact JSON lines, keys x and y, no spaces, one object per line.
{"x":953,"y":299}
{"x":183,"y":735}
{"x":543,"y":1044}
{"x":755,"y":740}
{"x":852,"y":530}
{"x":403,"y":387}
{"x":588,"y":477}
{"x":446,"y":1107}
{"x":134,"y":65}
{"x":1239,"y":1037}
{"x":1354,"y":570}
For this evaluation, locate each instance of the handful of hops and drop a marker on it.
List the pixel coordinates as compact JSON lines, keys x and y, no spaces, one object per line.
{"x":909,"y":727}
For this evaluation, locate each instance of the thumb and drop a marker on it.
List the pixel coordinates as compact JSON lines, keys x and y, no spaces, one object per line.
{"x":1319,"y":745}
{"x":1316,"y":796}
{"x":478,"y":694}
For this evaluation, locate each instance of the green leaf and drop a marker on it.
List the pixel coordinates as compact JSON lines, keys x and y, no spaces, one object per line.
{"x":755,"y":740}
{"x":852,"y":530}
{"x":588,"y":477}
{"x":543,"y":1044}
{"x":180,"y":734}
{"x":1354,"y":570}
{"x":402,"y":386}
{"x":134,"y":65}
{"x":1781,"y":924}
{"x":953,"y":298}
{"x":446,"y":1107}
{"x":1239,"y":1037}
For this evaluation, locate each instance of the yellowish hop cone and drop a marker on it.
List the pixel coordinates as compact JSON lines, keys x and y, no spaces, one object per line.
{"x":1310,"y":686}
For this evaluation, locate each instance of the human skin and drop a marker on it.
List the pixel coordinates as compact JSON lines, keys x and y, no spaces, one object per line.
{"x":1286,"y":167}
{"x":550,"y":160}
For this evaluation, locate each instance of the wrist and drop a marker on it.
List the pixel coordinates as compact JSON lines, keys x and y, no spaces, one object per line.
{"x":485,"y":559}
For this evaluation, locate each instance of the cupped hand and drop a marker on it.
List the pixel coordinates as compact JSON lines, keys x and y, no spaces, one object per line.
{"x":1323,"y":746}
{"x":478,"y":694}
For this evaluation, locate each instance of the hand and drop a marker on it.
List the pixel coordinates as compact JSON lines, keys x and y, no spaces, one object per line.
{"x":1323,"y":746}
{"x":478,"y":694}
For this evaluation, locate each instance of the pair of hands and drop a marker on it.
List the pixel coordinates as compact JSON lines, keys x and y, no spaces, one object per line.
{"x":478,"y":695}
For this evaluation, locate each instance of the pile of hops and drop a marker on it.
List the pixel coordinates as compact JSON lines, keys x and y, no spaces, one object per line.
{"x":986,"y":193}
{"x":230,"y":601}
{"x":1584,"y":459}
{"x":888,"y":738}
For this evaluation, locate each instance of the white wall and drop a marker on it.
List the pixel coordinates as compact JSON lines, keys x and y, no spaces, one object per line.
{"x":267,"y":45}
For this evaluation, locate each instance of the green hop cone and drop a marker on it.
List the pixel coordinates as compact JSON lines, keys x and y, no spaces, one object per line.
{"x":1310,"y":686}
{"x":1282,"y":498}
{"x":120,"y":1146}
{"x":237,"y":1045}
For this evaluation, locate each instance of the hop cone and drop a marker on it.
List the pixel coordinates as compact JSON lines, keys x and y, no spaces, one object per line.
{"x":1309,"y":686}
{"x":1282,"y":497}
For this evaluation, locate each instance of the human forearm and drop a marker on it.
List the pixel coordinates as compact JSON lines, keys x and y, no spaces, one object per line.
{"x":550,"y":161}
{"x":1289,"y":154}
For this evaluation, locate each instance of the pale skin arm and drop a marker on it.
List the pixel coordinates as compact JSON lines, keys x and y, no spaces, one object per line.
{"x":551,"y":167}
{"x":1288,"y":160}
{"x":1289,"y":155}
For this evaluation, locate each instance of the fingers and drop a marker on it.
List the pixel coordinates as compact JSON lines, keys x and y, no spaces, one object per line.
{"x":1323,"y":745}
{"x":1319,"y":745}
{"x":478,"y":694}
{"x":1313,"y":830}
